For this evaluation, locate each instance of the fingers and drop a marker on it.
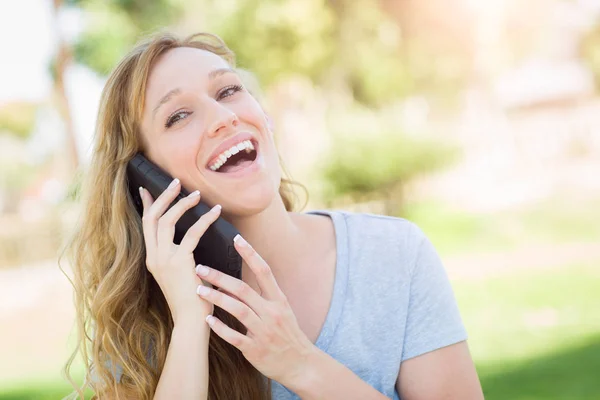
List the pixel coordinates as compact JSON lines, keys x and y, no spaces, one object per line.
{"x":232,"y":287}
{"x":166,"y":223}
{"x":239,"y":310}
{"x":154,"y":209}
{"x":231,"y":336}
{"x":149,"y":232}
{"x":195,"y":232}
{"x":264,"y":276}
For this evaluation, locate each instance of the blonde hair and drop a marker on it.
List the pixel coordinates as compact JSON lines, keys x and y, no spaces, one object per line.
{"x":122,"y":316}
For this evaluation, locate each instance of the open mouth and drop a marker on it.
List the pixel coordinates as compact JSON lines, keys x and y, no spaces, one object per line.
{"x":236,"y":158}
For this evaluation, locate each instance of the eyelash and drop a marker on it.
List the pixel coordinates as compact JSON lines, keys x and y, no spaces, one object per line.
{"x":172,"y":120}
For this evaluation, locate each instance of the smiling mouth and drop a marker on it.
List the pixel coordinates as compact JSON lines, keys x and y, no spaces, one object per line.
{"x":236,"y":158}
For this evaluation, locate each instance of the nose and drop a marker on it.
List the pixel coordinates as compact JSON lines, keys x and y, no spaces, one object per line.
{"x":222,"y":120}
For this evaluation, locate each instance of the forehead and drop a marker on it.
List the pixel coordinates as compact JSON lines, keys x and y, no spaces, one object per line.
{"x":181,"y":66}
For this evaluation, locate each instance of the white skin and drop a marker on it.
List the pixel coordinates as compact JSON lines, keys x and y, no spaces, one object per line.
{"x":288,"y":249}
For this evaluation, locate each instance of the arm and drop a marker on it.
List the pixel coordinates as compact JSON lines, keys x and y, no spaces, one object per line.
{"x":446,"y":373}
{"x":435,"y":363}
{"x":326,"y":378}
{"x":185,"y":374}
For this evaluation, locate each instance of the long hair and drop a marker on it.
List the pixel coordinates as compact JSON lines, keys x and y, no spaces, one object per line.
{"x":122,"y":316}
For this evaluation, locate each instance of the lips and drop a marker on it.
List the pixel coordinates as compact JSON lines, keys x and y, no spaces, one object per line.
{"x":227,"y":144}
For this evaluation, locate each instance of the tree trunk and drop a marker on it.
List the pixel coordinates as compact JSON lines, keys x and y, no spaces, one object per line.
{"x":61,"y":62}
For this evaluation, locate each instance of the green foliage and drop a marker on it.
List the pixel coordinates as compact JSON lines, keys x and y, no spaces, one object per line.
{"x":275,"y":39}
{"x":18,"y":119}
{"x":590,"y":50}
{"x":350,"y":44}
{"x":369,"y":53}
{"x":371,"y":158}
{"x":371,"y":163}
{"x":114,"y":26}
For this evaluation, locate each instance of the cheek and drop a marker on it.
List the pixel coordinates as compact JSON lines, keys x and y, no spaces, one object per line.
{"x":180,"y":152}
{"x":251,"y":112}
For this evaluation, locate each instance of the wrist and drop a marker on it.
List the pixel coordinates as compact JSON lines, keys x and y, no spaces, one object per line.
{"x":195,"y":322}
{"x":303,"y":379}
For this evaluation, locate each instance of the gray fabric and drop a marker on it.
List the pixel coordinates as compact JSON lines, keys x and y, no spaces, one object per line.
{"x":392,"y":300}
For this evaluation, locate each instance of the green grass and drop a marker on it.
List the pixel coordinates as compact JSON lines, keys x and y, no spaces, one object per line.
{"x":39,"y":391}
{"x":552,"y":221}
{"x":535,"y":335}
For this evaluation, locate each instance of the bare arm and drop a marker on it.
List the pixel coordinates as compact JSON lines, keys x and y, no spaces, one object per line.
{"x":325,"y":378}
{"x":185,"y":374}
{"x":447,"y":373}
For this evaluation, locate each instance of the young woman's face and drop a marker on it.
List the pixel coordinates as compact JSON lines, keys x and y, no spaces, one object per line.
{"x":196,"y":110}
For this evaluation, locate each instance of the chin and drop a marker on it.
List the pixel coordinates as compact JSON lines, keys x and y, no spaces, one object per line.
{"x":251,"y":200}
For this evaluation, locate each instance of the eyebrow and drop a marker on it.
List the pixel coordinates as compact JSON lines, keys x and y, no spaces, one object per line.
{"x":215,"y":73}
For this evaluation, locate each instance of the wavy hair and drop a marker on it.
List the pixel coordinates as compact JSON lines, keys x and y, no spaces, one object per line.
{"x":122,"y":317}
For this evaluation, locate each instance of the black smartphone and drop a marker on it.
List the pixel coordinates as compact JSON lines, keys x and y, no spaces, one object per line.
{"x":215,"y":248}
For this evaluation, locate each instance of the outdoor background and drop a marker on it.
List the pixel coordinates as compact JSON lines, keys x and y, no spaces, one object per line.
{"x":478,"y":120}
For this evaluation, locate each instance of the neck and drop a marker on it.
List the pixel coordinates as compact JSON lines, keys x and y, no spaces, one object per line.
{"x":277,"y":235}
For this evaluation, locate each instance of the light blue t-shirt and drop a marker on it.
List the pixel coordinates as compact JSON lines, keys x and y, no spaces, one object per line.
{"x":392,"y":300}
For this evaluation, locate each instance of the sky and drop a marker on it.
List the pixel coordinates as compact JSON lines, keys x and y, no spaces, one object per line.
{"x":27,"y":41}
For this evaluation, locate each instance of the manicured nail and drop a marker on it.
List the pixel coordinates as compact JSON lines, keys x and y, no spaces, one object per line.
{"x":201,"y":270}
{"x":141,"y":191}
{"x":173,"y":183}
{"x":210,"y":319}
{"x":194,"y":193}
{"x":216,"y":208}
{"x":202,"y":290}
{"x":240,"y":240}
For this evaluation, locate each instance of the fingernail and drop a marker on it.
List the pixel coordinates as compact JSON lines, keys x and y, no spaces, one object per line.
{"x":141,"y":191}
{"x":202,"y":290}
{"x":201,"y":270}
{"x":173,"y":183}
{"x":240,"y":240}
{"x":216,"y":208}
{"x":210,"y":320}
{"x":194,"y":193}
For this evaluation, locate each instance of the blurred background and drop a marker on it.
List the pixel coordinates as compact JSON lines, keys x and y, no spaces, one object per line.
{"x":478,"y":120}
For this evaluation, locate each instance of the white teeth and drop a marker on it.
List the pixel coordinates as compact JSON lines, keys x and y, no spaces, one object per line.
{"x":222,"y":159}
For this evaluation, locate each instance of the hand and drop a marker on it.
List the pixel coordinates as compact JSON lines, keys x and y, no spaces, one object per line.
{"x":173,"y":265}
{"x":274,"y":343}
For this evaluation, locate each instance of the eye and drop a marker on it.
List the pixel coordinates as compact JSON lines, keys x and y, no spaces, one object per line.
{"x":173,"y":118}
{"x":229,"y":91}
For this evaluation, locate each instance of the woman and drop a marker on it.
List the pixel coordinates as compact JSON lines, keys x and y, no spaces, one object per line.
{"x":331,"y":305}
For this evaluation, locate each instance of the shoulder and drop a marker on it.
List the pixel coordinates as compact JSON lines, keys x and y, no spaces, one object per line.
{"x":379,"y":240}
{"x":394,"y":232}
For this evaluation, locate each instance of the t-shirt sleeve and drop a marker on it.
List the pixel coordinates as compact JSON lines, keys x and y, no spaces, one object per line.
{"x":433,"y":319}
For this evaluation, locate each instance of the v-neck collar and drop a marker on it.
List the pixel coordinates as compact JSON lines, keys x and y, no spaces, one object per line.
{"x":341,"y":279}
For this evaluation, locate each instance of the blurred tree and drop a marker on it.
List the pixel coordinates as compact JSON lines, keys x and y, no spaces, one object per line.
{"x":113,"y":27}
{"x":371,"y":158}
{"x":275,"y":39}
{"x":590,"y":51}
{"x":341,"y":45}
{"x":18,"y":118}
{"x":59,"y":66}
{"x":369,"y":52}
